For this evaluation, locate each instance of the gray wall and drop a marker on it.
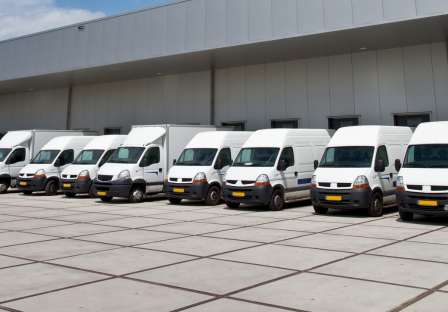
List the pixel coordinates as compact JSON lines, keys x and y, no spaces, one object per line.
{"x":195,"y":25}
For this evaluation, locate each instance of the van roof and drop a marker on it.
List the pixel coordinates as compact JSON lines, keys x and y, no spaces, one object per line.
{"x":15,"y":138}
{"x":63,"y":142}
{"x":431,"y":133}
{"x":283,"y":137}
{"x":106,"y":142}
{"x":219,"y":139}
{"x":369,"y":135}
{"x":144,"y":135}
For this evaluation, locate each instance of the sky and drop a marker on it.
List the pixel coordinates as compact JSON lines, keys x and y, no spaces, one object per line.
{"x":22,"y":17}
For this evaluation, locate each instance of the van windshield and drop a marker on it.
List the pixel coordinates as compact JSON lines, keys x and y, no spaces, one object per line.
{"x":45,"y":157}
{"x":126,"y":155}
{"x":427,"y":156}
{"x":197,"y":157}
{"x":3,"y":153}
{"x":256,"y":157}
{"x":88,"y":157}
{"x":348,"y":157}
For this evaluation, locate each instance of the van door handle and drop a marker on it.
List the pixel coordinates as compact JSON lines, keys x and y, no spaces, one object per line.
{"x":296,"y":173}
{"x":160,"y":169}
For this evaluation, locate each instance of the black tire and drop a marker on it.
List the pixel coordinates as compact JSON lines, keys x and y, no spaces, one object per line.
{"x":406,"y":215}
{"x":213,"y":196}
{"x":106,"y":199}
{"x":70,"y":195}
{"x":51,"y":188}
{"x":137,"y":195}
{"x":4,"y":188}
{"x":92,"y":193}
{"x":376,"y":205}
{"x":277,"y":200}
{"x":174,"y":201}
{"x":27,"y":192}
{"x":320,"y":210}
{"x":233,"y":205}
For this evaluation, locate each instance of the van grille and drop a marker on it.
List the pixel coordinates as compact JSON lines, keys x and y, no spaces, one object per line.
{"x":344,"y":184}
{"x":102,"y":177}
{"x":246,"y":182}
{"x":173,"y":179}
{"x":324,"y":184}
{"x":438,"y":188}
{"x":231,"y":181}
{"x":187,"y":180}
{"x":415,"y":187}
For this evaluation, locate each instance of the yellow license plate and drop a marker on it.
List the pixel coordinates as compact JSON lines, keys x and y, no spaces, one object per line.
{"x":67,"y":185}
{"x":428,"y":203}
{"x":23,"y":183}
{"x":102,"y":193}
{"x":333,"y":198}
{"x":238,"y":194}
{"x":178,"y":190}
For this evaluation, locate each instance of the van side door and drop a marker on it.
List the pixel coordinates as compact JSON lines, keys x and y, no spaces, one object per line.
{"x":289,"y":175}
{"x":222,"y":163}
{"x":386,"y":178}
{"x":152,"y":170}
{"x":64,"y":159}
{"x":16,"y":161}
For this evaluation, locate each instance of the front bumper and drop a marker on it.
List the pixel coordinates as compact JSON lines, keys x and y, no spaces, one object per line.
{"x":247,"y":195}
{"x":31,"y":185}
{"x":120,"y":189}
{"x":350,"y":199}
{"x":75,"y":186}
{"x":409,"y":202}
{"x":186,"y":191}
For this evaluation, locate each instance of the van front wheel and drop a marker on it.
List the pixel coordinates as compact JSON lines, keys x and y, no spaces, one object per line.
{"x":277,"y":200}
{"x":137,"y":195}
{"x":51,"y":188}
{"x":213,"y":196}
{"x":376,"y":205}
{"x":320,"y":210}
{"x":4,"y":188}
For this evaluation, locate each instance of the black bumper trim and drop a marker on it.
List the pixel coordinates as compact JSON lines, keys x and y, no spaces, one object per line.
{"x":351,"y":199}
{"x":33,"y":185}
{"x":252,"y":195}
{"x":191,"y":191}
{"x":121,"y":189}
{"x":408,"y":202}
{"x":76,"y":187}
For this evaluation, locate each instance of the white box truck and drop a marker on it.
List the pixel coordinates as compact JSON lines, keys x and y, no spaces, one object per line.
{"x":78,"y":177}
{"x":199,"y":172}
{"x":357,"y":170}
{"x":422,"y":185}
{"x":17,"y":148}
{"x":274,"y":166}
{"x":139,"y":166}
{"x":43,"y":173}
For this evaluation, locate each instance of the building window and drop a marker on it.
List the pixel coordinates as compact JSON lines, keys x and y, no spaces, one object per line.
{"x":411,"y":120}
{"x":287,"y":123}
{"x":237,"y":125}
{"x":334,"y":123}
{"x":111,"y":131}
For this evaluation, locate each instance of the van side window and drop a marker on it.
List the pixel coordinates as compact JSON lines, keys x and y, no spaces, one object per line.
{"x":106,"y":157}
{"x":288,"y":156}
{"x":17,"y":156}
{"x":66,"y":157}
{"x":151,"y":157}
{"x":382,"y":154}
{"x":225,"y":157}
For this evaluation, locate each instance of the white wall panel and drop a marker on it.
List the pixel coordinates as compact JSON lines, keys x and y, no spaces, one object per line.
{"x":157,"y":32}
{"x":260,"y":22}
{"x":235,"y":106}
{"x":311,"y":16}
{"x":440,"y":67}
{"x":256,"y":97}
{"x":215,"y":23}
{"x":176,"y":27}
{"x":296,"y":97}
{"x":338,"y":13}
{"x":237,"y":21}
{"x":195,"y":32}
{"x":275,"y":91}
{"x":318,"y":92}
{"x":341,"y":85}
{"x":427,"y":7}
{"x":284,"y":18}
{"x":367,"y":11}
{"x":399,"y":9}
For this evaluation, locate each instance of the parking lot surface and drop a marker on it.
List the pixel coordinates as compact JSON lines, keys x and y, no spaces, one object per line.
{"x":63,"y":255}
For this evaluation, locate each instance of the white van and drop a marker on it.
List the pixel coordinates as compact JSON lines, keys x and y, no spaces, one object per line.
{"x":138,"y":167}
{"x":200,"y":170}
{"x":17,"y":148}
{"x":357,"y":169}
{"x":422,"y":186}
{"x":78,"y":177}
{"x":44,"y":171}
{"x":274,"y":166}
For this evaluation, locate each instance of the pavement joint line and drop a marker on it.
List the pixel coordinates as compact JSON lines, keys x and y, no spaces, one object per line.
{"x":9,"y":309}
{"x":406,"y":258}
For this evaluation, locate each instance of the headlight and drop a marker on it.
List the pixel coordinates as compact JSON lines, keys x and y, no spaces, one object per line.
{"x":200,"y":178}
{"x":400,"y":181}
{"x":361,"y":182}
{"x":40,"y":173}
{"x":84,"y":175}
{"x":313,"y":181}
{"x":262,"y":180}
{"x":124,"y":175}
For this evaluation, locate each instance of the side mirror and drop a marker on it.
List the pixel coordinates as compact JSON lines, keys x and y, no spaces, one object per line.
{"x":174,"y":161}
{"x":282,"y":165}
{"x":380,"y":166}
{"x":316,"y":164}
{"x":397,"y":165}
{"x":218,"y":164}
{"x":58,"y":163}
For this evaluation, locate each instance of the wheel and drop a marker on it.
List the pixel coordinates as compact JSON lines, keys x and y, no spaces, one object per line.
{"x":232,"y":205}
{"x":320,"y":210}
{"x":106,"y":199}
{"x":376,"y":205}
{"x":277,"y":200}
{"x":70,"y":195}
{"x":92,"y":193}
{"x":174,"y":201}
{"x":27,"y":192}
{"x":51,"y":188}
{"x":4,"y":188}
{"x":213,"y":196}
{"x":137,"y":195}
{"x":406,"y":216}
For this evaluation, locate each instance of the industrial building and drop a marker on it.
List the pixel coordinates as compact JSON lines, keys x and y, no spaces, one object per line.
{"x":244,"y":63}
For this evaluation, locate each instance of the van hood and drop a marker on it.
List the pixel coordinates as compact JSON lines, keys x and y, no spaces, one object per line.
{"x":115,"y":169}
{"x":33,"y":168}
{"x":76,"y":169}
{"x":340,"y":175}
{"x":424,"y":176}
{"x":247,"y":173}
{"x":187,"y":172}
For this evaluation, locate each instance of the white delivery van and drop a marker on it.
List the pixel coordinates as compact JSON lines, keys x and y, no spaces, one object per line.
{"x":274,"y":166}
{"x":200,"y":170}
{"x":78,"y":177}
{"x":357,"y":169}
{"x":44,"y":171}
{"x":17,"y":148}
{"x":422,"y":186}
{"x":139,"y":166}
